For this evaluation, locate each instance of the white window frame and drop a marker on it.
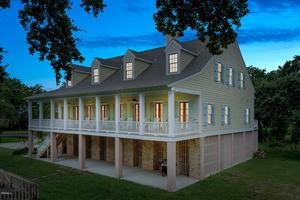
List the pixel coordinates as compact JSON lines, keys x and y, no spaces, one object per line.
{"x":230,"y":74}
{"x":96,"y":75}
{"x":219,"y":72}
{"x":173,"y":63}
{"x":209,"y":114}
{"x":69,"y":83}
{"x":129,"y":70}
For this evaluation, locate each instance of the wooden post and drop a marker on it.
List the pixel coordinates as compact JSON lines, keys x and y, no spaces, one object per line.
{"x":30,"y":143}
{"x":171,"y":113}
{"x":53,"y":147}
{"x":142,"y":113}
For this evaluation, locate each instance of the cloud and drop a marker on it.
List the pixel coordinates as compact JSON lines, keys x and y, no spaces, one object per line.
{"x":272,"y":5}
{"x":268,"y":35}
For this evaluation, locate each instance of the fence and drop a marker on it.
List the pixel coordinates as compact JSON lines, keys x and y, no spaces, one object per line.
{"x":13,"y":187}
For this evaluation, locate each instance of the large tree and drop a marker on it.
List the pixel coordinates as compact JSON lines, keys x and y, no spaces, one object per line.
{"x":213,"y":20}
{"x":50,"y":31}
{"x":277,"y":99}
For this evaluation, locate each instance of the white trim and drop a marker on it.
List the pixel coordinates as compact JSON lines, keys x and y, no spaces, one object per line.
{"x":187,"y":91}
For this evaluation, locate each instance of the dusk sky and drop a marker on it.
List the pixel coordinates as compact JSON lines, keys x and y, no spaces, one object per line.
{"x":269,"y":36}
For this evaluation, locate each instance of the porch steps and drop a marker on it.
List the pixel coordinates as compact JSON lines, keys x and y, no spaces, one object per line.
{"x":44,"y":147}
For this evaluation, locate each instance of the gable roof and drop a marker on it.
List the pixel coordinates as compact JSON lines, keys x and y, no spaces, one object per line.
{"x":109,"y":63}
{"x":153,"y":76}
{"x":80,"y":68}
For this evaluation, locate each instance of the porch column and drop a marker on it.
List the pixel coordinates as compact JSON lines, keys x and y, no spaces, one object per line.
{"x":200,"y":108}
{"x":171,"y":114}
{"x":40,"y":113}
{"x":80,"y":112}
{"x":142,"y":113}
{"x":117,"y":112}
{"x":201,"y":158}
{"x":51,"y":113}
{"x":97,"y":112}
{"x":30,"y":143}
{"x":118,"y":158}
{"x":171,"y":166}
{"x":81,"y":150}
{"x":66,"y":110}
{"x":29,"y":113}
{"x":53,"y":147}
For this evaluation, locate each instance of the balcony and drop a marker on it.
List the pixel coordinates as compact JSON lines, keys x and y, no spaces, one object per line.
{"x":125,"y":127}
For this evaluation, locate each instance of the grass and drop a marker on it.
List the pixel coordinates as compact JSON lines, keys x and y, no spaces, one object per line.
{"x":276,"y":177}
{"x":12,"y":133}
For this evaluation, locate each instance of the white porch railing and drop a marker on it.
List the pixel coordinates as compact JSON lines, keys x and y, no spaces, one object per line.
{"x":46,"y":123}
{"x":129,"y":126}
{"x":34,"y":123}
{"x":186,"y":127}
{"x":107,"y":126}
{"x":72,"y":124}
{"x":58,"y":123}
{"x":156,"y":128}
{"x":89,"y":125}
{"x":43,"y":146}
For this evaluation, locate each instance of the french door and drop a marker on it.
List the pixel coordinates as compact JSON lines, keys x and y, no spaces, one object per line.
{"x":158,"y":112}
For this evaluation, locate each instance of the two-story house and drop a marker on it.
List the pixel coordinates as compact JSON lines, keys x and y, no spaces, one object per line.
{"x":177,"y":103}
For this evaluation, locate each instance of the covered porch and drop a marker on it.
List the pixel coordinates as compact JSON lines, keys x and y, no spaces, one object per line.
{"x":133,"y":174}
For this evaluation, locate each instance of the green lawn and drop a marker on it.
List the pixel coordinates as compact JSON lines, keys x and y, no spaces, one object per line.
{"x":12,"y":139}
{"x":276,"y":177}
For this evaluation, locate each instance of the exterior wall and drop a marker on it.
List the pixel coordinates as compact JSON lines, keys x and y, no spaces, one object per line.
{"x":226,"y":151}
{"x":238,"y":148}
{"x":221,"y":94}
{"x":70,"y":145}
{"x":128,"y":152}
{"x":95,"y":148}
{"x":110,"y":150}
{"x":147,"y":155}
{"x":194,"y":158}
{"x":211,"y":162}
{"x":77,"y":77}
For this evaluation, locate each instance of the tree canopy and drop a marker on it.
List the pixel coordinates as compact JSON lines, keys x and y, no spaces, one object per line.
{"x":277,"y":99}
{"x":214,"y":20}
{"x":13,"y":105}
{"x":50,"y":31}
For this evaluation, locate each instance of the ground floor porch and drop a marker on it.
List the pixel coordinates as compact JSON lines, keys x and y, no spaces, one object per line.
{"x":133,"y":174}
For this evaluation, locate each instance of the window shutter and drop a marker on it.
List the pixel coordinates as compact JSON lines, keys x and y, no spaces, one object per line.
{"x":244,"y":81}
{"x":229,"y":115}
{"x":249,"y":117}
{"x":191,"y":117}
{"x":223,"y":115}
{"x":165,"y":109}
{"x":223,"y":74}
{"x":176,"y":111}
{"x":213,"y":114}
{"x":216,"y":72}
{"x":233,"y":78}
{"x":245,"y":117}
{"x":227,"y":75}
{"x":239,"y":80}
{"x":204,"y":118}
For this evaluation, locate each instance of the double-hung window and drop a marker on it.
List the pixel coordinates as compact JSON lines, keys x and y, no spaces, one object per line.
{"x":225,"y":115}
{"x":129,"y":70}
{"x":219,"y":72}
{"x":242,"y":80}
{"x":173,"y":63}
{"x":69,"y":83}
{"x":96,"y":75}
{"x":247,"y":116}
{"x":209,"y":114}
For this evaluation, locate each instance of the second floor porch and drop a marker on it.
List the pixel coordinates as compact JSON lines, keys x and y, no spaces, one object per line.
{"x":156,"y":113}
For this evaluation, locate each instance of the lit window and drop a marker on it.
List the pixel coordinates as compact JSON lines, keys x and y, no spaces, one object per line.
{"x":136,"y":112}
{"x":209,"y":114}
{"x":230,"y":78}
{"x":129,"y":70}
{"x":69,"y":83}
{"x":184,"y":112}
{"x":247,"y":116}
{"x":95,"y":75}
{"x":219,"y":75}
{"x":104,"y":112}
{"x":242,"y":80}
{"x":121,"y":111}
{"x":173,"y":63}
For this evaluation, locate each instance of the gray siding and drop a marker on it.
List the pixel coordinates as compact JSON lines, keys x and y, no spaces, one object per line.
{"x":221,"y":94}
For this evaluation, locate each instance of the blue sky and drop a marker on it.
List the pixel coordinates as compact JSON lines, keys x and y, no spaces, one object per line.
{"x":270,"y":35}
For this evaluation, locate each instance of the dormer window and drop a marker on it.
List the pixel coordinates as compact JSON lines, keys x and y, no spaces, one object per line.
{"x":69,"y":83}
{"x":128,"y":70}
{"x":96,"y":75}
{"x":173,"y":63}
